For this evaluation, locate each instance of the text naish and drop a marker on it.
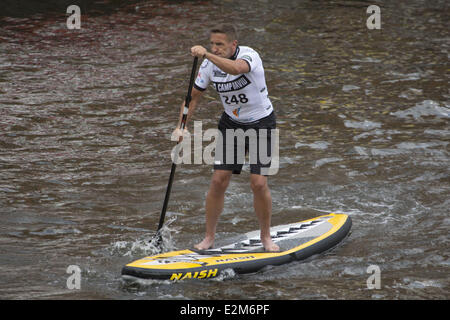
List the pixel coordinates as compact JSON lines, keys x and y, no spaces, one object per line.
{"x":235,"y":259}
{"x":211,"y":273}
{"x":234,"y":85}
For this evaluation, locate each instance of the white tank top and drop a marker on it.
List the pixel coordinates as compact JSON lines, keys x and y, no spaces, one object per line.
{"x":244,"y":97}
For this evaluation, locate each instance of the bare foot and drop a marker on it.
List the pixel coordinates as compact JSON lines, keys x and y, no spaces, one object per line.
{"x":270,"y":246}
{"x":205,"y":244}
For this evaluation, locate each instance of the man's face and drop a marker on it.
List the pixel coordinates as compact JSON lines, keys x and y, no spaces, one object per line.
{"x":221,"y":46}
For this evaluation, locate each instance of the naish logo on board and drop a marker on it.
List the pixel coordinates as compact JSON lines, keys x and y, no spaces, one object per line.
{"x":211,"y":273}
{"x":236,"y":84}
{"x":236,"y":258}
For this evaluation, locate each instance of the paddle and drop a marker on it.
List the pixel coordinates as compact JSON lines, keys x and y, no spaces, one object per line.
{"x":174,"y":165}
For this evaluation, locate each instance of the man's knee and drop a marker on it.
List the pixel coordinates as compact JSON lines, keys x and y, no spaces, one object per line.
{"x":220,"y":181}
{"x":258,"y":183}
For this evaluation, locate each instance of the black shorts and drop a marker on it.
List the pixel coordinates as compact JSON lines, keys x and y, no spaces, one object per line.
{"x":236,"y":140}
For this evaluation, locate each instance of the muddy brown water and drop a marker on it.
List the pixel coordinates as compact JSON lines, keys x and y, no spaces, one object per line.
{"x":85,"y":123}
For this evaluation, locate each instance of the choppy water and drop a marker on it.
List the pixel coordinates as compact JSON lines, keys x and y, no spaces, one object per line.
{"x":85,"y":123}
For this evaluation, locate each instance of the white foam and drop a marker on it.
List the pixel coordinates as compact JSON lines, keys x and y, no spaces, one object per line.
{"x":349,"y":87}
{"x":318,"y":145}
{"x":365,"y":125}
{"x":146,"y":244}
{"x":423,"y":109}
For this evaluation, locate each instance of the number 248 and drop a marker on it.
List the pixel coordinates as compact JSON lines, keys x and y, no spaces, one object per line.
{"x":240,"y":98}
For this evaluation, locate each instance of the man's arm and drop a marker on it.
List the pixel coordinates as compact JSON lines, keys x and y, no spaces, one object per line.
{"x":229,"y":66}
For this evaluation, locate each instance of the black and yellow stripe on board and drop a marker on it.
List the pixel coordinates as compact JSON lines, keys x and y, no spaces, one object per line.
{"x":297,"y":241}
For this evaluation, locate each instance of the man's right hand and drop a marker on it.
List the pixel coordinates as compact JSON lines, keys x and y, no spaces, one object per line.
{"x":177,"y":135}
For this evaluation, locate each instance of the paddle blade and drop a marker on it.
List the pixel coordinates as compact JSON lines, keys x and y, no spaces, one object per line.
{"x":162,"y":239}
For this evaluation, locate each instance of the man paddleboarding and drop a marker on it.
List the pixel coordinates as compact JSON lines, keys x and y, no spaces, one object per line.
{"x":237,"y":74}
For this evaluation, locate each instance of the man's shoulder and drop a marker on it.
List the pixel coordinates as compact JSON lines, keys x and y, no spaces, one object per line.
{"x":250,"y":56}
{"x":246,"y":50}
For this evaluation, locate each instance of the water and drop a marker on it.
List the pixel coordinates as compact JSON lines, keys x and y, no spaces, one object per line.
{"x":86,"y":117}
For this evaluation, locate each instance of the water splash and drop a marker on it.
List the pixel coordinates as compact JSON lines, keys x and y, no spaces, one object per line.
{"x":139,"y":286}
{"x":147,"y":244}
{"x":225,"y":274}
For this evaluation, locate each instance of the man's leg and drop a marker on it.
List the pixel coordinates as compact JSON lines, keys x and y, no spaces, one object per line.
{"x":214,"y":206}
{"x":262,"y":202}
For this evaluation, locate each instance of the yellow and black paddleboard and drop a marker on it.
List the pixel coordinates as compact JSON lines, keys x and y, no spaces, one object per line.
{"x":297,"y":241}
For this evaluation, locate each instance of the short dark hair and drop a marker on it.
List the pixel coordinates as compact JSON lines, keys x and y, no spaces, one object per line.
{"x":226,"y":28}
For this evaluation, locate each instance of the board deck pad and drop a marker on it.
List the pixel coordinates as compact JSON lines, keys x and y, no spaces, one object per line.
{"x":285,"y":236}
{"x":297,"y":241}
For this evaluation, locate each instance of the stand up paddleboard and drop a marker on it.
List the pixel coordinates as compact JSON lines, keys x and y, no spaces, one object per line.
{"x":297,"y":241}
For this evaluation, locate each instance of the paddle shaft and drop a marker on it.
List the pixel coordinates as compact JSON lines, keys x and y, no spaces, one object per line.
{"x":187,"y":101}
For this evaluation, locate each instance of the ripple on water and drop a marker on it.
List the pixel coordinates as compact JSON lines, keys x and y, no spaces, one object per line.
{"x":422,"y":110}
